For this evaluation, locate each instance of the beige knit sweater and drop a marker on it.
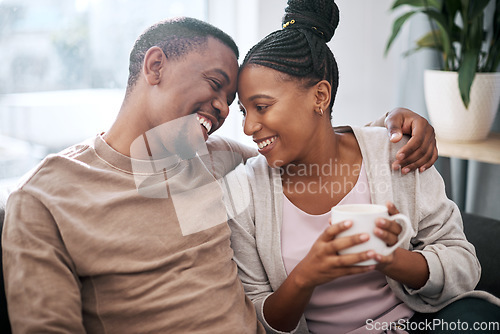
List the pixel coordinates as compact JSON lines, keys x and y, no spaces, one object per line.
{"x":437,"y":230}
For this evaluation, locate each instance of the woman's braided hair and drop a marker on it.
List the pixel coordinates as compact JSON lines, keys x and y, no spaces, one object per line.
{"x":299,"y":49}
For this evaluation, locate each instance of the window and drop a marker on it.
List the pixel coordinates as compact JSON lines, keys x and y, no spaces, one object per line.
{"x":63,"y":70}
{"x":64,"y":67}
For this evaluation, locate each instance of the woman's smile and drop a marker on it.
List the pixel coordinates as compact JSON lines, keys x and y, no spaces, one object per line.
{"x":266,"y":144}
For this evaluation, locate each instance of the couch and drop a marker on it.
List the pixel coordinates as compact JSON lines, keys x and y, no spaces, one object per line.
{"x":4,"y":318}
{"x":483,"y":233}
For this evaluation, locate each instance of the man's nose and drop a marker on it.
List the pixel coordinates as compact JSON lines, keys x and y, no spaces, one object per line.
{"x":221,"y":106}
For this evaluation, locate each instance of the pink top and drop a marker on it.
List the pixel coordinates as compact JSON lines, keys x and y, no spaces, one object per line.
{"x":345,"y":304}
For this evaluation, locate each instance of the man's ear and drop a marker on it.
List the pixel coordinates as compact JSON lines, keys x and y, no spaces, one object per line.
{"x":323,"y":95}
{"x":154,"y":61}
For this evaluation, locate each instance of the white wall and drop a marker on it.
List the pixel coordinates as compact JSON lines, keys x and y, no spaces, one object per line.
{"x":368,"y":80}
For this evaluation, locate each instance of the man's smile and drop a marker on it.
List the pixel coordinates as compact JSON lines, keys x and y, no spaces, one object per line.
{"x":207,"y":123}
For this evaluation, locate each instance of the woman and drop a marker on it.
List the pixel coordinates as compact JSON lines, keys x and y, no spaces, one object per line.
{"x":284,"y":247}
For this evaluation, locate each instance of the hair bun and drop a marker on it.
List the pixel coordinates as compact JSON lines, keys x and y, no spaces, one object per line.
{"x":322,"y":16}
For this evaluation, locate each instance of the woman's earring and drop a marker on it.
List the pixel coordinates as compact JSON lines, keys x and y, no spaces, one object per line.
{"x":321,"y":112}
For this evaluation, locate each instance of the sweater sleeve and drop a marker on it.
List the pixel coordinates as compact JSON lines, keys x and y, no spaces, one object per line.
{"x":221,"y":143}
{"x":438,"y":230}
{"x":42,"y":288}
{"x":453,"y":266}
{"x":250,"y":269}
{"x":247,"y":254}
{"x":379,"y":122}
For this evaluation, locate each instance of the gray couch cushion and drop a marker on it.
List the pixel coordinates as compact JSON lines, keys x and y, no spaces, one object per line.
{"x":484,"y":234}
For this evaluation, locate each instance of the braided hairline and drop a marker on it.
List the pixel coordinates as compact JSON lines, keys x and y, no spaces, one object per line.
{"x":300,"y":53}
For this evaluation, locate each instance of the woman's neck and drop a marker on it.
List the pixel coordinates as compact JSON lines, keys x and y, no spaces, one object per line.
{"x":328,"y":174}
{"x":323,"y":151}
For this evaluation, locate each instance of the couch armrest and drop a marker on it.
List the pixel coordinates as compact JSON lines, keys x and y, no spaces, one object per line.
{"x":4,"y":316}
{"x":484,"y":234}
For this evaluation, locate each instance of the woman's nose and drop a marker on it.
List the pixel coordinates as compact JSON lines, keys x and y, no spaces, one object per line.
{"x":250,"y":125}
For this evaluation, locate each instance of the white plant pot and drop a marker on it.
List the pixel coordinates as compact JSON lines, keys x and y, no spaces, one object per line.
{"x":451,"y":120}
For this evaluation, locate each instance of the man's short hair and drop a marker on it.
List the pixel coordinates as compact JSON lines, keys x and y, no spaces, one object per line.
{"x":176,"y":37}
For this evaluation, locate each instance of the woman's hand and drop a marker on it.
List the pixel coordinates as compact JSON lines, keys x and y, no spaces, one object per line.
{"x":421,"y":150}
{"x":323,"y":263}
{"x":284,"y":308}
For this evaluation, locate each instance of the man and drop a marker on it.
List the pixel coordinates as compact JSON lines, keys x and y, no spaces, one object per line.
{"x":100,"y":238}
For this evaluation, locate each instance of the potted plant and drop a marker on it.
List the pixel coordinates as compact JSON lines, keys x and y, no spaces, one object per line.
{"x":463,"y":97}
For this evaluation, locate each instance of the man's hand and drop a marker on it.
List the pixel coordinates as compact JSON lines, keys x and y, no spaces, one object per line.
{"x":421,"y":150}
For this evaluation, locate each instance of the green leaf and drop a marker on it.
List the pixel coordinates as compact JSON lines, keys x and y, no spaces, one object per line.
{"x":450,"y":10}
{"x":452,"y":7}
{"x":476,"y":8}
{"x":466,"y":74}
{"x":494,"y":55}
{"x":431,"y":40}
{"x":495,"y":42}
{"x":465,"y":5}
{"x":496,"y":17}
{"x":412,"y":51}
{"x":444,"y":32}
{"x":476,"y":33}
{"x":493,"y":58}
{"x":459,"y":44}
{"x":396,"y":28}
{"x":417,"y":3}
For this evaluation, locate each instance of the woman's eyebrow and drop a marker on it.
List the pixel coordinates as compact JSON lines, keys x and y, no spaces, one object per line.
{"x":257,"y":96}
{"x":260,"y":96}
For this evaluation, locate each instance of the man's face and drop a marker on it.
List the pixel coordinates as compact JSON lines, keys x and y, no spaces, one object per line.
{"x":202,"y":82}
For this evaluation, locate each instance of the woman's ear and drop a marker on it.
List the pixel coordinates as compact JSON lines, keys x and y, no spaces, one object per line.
{"x":323,"y":95}
{"x":154,"y":61}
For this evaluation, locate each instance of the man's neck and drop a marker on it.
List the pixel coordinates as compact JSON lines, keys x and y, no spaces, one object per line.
{"x":126,"y":128}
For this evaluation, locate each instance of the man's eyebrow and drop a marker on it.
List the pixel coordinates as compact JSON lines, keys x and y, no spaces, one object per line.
{"x":224,"y":74}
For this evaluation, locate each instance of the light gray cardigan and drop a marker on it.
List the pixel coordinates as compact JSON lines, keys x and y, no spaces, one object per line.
{"x":437,"y":224}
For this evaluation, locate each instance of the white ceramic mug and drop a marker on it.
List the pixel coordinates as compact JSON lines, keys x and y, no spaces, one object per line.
{"x":363,"y":217}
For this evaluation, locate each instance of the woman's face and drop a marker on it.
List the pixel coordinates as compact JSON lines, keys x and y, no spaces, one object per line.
{"x":279,"y":114}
